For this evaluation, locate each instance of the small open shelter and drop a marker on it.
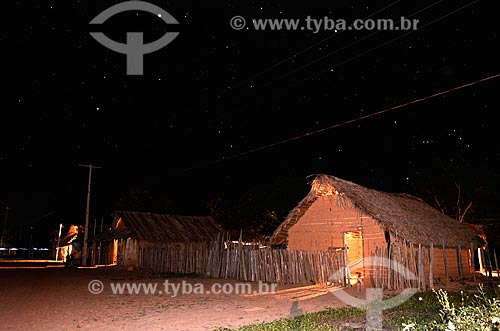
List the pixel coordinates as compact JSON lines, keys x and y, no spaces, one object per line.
{"x":132,"y":231}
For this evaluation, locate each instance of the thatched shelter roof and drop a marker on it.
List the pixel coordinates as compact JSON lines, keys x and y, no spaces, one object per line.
{"x":71,"y":236}
{"x":248,"y":235}
{"x":410,"y":217}
{"x":164,"y":228}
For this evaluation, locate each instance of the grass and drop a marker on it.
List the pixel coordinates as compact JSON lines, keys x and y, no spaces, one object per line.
{"x":467,"y":309}
{"x":331,"y":319}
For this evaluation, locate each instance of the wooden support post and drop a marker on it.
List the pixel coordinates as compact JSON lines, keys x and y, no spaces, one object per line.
{"x":445,"y":260}
{"x":473,"y":261}
{"x":481,"y":260}
{"x":431,"y":266}
{"x":496,"y":262}
{"x":490,"y":265}
{"x":382,"y":270}
{"x":414,"y":266}
{"x":460,"y":265}
{"x":347,"y":270}
{"x":421,"y":255}
{"x":377,"y":268}
{"x":390,"y":272}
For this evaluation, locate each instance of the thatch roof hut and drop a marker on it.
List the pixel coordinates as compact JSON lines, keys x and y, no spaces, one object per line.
{"x":365,"y":223}
{"x":407,"y":216}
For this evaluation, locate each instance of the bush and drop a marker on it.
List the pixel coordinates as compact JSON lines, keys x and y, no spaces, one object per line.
{"x":477,"y":312}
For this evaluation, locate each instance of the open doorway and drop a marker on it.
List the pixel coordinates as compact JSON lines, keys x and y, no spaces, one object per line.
{"x":353,"y":240}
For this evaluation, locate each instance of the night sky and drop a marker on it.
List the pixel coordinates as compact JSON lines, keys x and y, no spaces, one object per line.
{"x":221,"y":117}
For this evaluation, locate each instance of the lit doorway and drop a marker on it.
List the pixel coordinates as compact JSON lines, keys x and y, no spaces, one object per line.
{"x":353,"y":240}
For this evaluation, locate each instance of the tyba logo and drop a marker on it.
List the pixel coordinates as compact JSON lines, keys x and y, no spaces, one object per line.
{"x":135,"y":47}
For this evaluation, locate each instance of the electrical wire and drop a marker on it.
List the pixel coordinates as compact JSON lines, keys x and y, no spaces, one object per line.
{"x":354,"y":120}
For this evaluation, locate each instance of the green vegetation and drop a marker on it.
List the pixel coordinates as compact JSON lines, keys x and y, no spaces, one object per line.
{"x":461,"y":312}
{"x":468,"y":309}
{"x":321,"y":321}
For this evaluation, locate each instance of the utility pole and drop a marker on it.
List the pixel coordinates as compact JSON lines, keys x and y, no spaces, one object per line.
{"x":58,"y":241}
{"x":4,"y":227}
{"x":86,"y":233}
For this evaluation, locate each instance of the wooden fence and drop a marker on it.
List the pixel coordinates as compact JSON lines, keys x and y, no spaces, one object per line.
{"x":218,"y":259}
{"x":401,"y":265}
{"x":417,"y":266}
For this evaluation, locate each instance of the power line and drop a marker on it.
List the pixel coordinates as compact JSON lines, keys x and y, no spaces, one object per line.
{"x":357,"y":119}
{"x":367,"y":37}
{"x":371,"y":49}
{"x":277,"y":64}
{"x":224,"y":158}
{"x":381,"y":45}
{"x":346,"y":46}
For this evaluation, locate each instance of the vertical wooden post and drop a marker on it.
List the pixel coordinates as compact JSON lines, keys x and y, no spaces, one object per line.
{"x":481,"y":260}
{"x":377,"y":268}
{"x":398,"y":270}
{"x":382,"y":272}
{"x":421,"y":256}
{"x":460,"y":265}
{"x":408,"y":269}
{"x":496,"y":261}
{"x":446,"y":265}
{"x":390,"y":272}
{"x":473,"y":261}
{"x":431,"y":266}
{"x":419,"y":270}
{"x":490,"y":265}
{"x":94,"y":248}
{"x":347,"y":270}
{"x":414,"y":266}
{"x":341,"y":264}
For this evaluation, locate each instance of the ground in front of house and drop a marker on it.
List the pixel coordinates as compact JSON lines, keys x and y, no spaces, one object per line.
{"x":58,"y":298}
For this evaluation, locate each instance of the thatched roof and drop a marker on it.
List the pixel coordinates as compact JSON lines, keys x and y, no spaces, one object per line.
{"x":164,"y":228}
{"x":410,"y":217}
{"x":71,"y":236}
{"x":248,"y":235}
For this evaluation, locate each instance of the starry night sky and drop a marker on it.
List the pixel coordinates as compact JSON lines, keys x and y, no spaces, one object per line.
{"x":190,"y":130}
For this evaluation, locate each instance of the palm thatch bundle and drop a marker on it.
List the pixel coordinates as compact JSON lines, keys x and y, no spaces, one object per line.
{"x":407,"y":216}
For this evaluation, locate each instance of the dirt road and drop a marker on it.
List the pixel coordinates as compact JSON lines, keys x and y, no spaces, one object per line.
{"x":60,"y":299}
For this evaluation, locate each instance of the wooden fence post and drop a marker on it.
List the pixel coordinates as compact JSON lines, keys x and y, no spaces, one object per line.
{"x":421,"y":256}
{"x":473,"y":261}
{"x":377,"y":268}
{"x":347,"y":270}
{"x":460,"y":265}
{"x":496,"y":262}
{"x":431,"y":266}
{"x":446,"y":265}
{"x":490,"y":265}
{"x":482,"y":260}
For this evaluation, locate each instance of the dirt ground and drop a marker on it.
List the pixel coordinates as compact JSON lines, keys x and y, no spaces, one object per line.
{"x":60,"y":299}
